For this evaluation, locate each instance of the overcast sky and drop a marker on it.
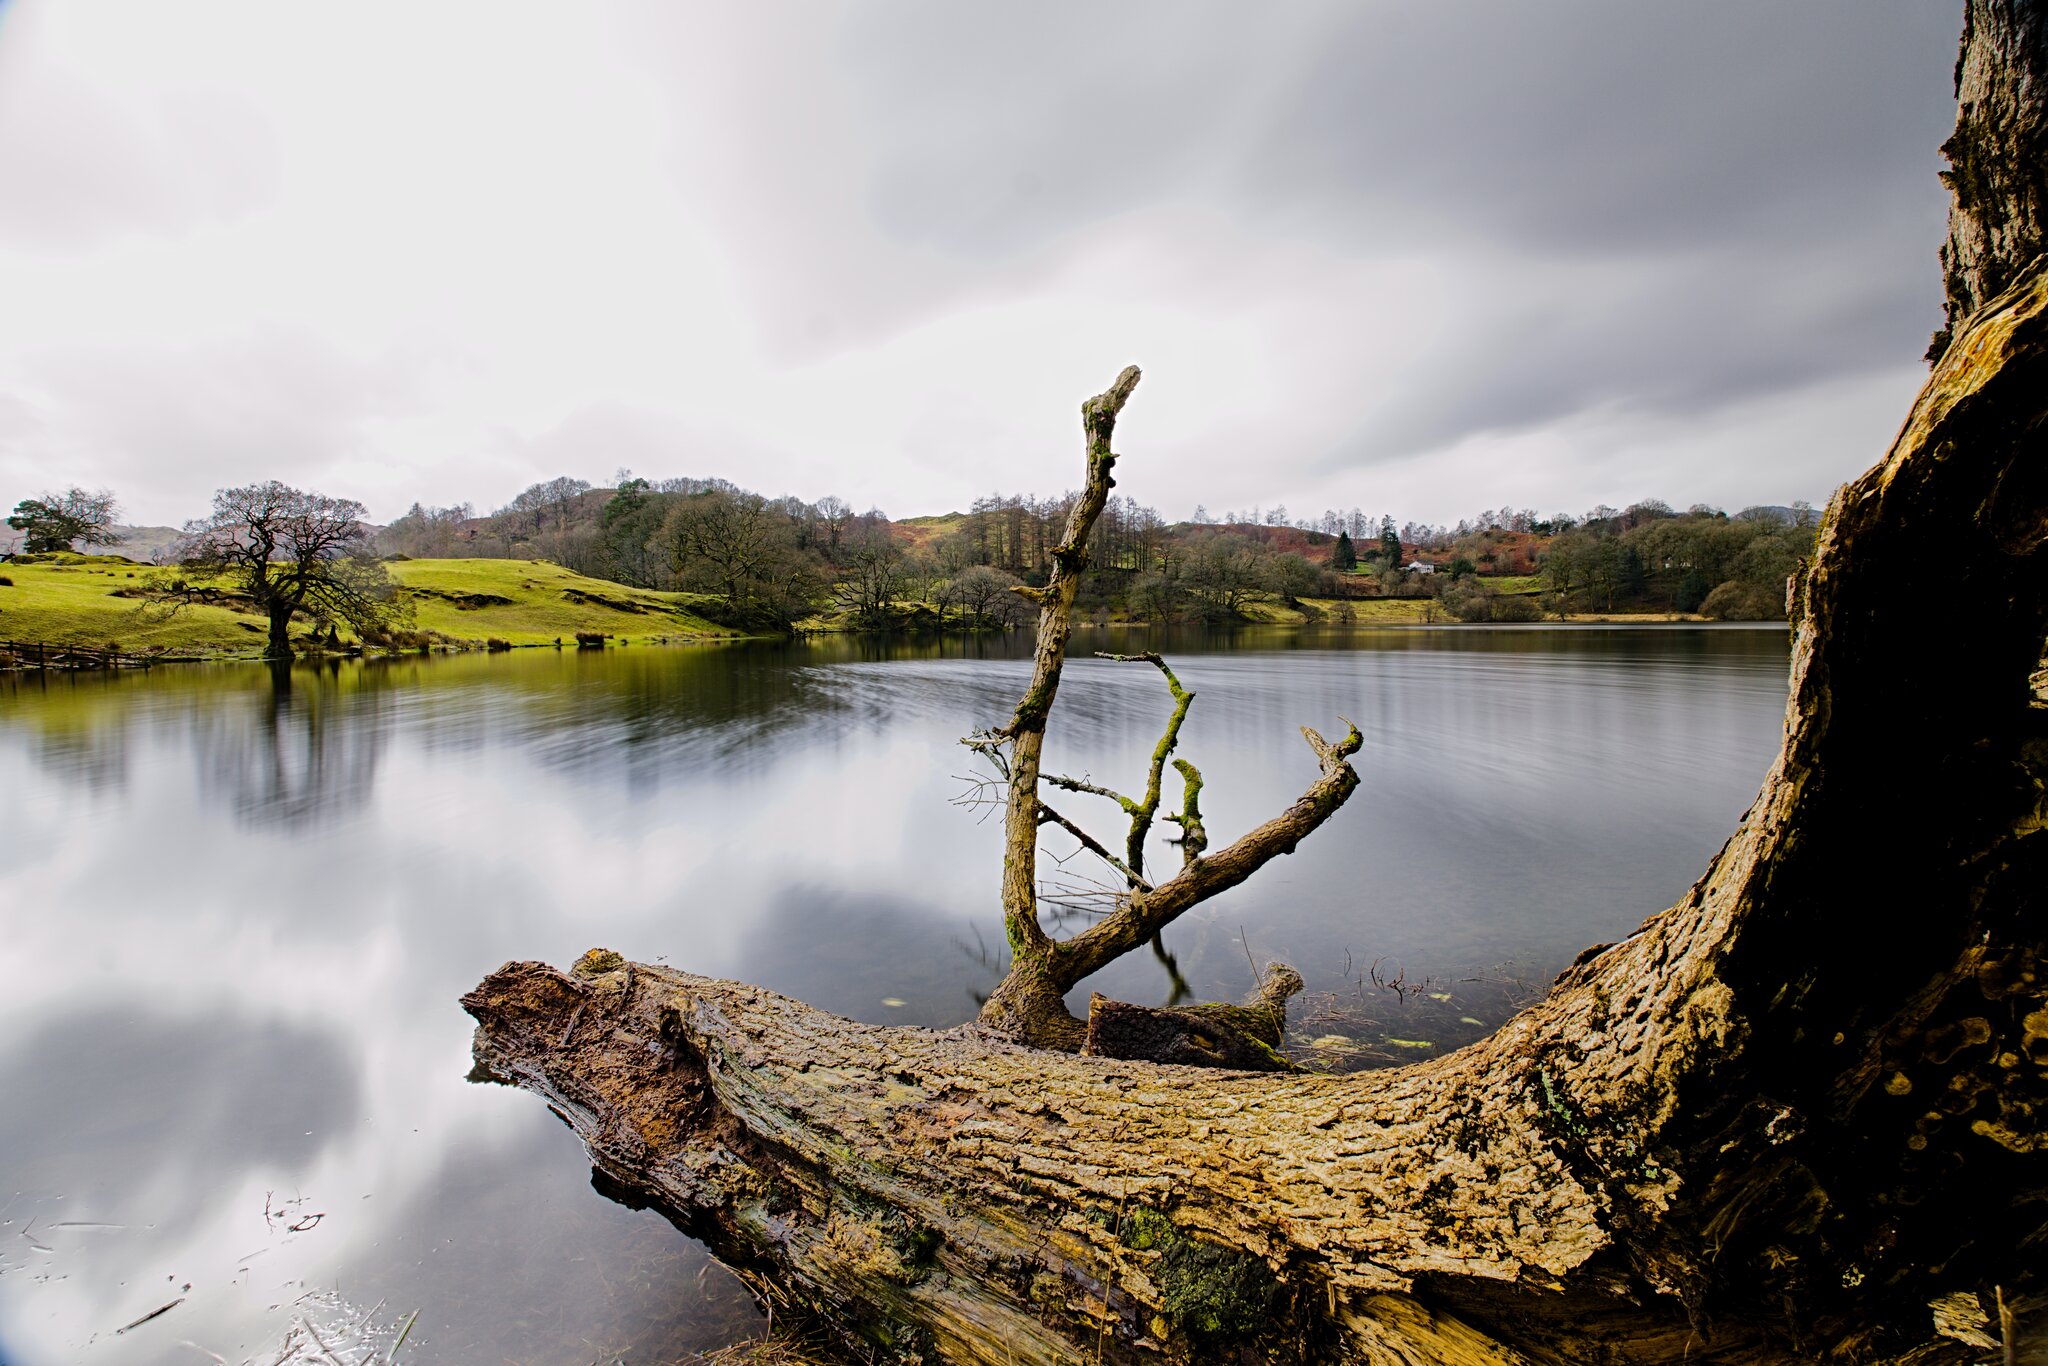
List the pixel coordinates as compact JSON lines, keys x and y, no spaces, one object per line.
{"x":1420,"y":258}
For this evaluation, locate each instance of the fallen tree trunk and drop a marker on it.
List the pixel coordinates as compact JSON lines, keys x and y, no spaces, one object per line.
{"x":1798,"y":1116}
{"x":1777,"y":1124}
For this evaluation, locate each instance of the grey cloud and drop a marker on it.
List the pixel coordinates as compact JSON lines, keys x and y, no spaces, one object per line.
{"x":1590,"y":126}
{"x":1683,"y":339}
{"x":996,"y":129}
{"x":1649,"y":208}
{"x":1602,"y":126}
{"x":107,"y":1106}
{"x":1758,"y":179}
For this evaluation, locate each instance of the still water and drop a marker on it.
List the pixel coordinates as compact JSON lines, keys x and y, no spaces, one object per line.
{"x":236,"y":912}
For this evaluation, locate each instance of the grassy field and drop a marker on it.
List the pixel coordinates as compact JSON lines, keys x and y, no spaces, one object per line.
{"x":87,"y":600}
{"x":532,"y":602}
{"x":1364,"y":611}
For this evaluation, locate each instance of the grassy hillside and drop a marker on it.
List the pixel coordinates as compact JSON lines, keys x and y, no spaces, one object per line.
{"x":92,"y":600}
{"x":532,"y":602}
{"x":84,"y":600}
{"x":921,"y":533}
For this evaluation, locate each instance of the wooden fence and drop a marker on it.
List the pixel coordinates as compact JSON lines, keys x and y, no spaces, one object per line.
{"x":43,"y":654}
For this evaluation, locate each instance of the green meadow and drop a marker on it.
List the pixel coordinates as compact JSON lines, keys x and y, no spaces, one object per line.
{"x":98,"y":600}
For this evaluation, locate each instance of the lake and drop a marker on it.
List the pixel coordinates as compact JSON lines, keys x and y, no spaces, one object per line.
{"x":236,"y":911}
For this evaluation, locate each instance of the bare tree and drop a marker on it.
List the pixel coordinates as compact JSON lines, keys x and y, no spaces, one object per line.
{"x":742,"y":547}
{"x":984,"y":596}
{"x":833,"y":514}
{"x":553,"y":498}
{"x":1028,"y":1003}
{"x":870,"y":574}
{"x":427,"y":531}
{"x":1223,"y":570}
{"x":289,"y":552}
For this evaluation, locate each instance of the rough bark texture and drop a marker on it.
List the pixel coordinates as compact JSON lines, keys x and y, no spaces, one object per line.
{"x":1212,"y":1034}
{"x":1998,"y":156}
{"x":1027,"y":1003}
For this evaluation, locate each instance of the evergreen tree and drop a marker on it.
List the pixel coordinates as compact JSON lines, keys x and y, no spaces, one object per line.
{"x":56,"y":521}
{"x":1344,"y":558}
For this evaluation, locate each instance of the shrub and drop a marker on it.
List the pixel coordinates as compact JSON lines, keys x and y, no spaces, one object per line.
{"x":1516,"y":607}
{"x":1471,"y":599}
{"x":497,"y":646}
{"x":6,"y":582}
{"x":1738,"y":601}
{"x":590,"y":640}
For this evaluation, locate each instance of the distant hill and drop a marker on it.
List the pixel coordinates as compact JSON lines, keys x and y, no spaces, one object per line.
{"x":918,"y":533}
{"x":143,"y":543}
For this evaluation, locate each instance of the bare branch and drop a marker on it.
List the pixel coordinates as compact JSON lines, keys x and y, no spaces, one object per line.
{"x":1142,"y":812}
{"x":1066,"y":784}
{"x":1048,"y":816}
{"x":1202,"y":877}
{"x":1026,"y":730}
{"x":1194,"y":836}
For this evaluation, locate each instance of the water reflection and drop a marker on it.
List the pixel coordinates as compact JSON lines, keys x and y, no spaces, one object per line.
{"x":303,"y":752}
{"x":957,"y":963}
{"x":236,"y":910}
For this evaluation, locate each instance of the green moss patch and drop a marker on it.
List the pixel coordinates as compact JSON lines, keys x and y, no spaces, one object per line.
{"x":1206,"y":1290}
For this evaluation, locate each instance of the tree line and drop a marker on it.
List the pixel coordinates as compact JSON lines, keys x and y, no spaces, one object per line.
{"x":1649,"y":557}
{"x":766,"y":563}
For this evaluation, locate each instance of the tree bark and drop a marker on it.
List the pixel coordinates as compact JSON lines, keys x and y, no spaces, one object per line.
{"x":1800,"y":1116}
{"x":279,"y":644}
{"x":1998,"y":156}
{"x":1029,"y":1003}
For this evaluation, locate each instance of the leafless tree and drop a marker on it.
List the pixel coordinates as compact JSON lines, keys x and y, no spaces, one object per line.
{"x":290,"y":552}
{"x":984,"y":596}
{"x":871,"y":572}
{"x":740,"y":546}
{"x":1028,"y":1004}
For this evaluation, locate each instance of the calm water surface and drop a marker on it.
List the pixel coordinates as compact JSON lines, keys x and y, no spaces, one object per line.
{"x":235,"y":916}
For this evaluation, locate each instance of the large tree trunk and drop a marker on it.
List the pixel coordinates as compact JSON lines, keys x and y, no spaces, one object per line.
{"x":1998,"y":156}
{"x":279,"y":644}
{"x":1802,"y":1115}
